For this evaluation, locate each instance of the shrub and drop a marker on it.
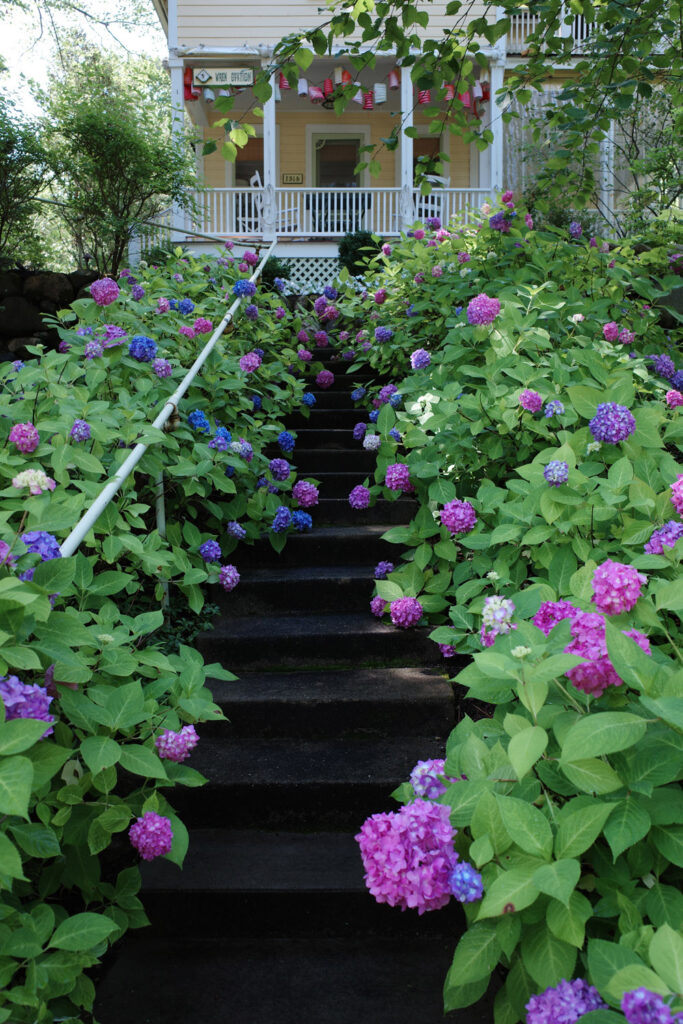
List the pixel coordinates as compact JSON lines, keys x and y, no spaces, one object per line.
{"x":356,"y":249}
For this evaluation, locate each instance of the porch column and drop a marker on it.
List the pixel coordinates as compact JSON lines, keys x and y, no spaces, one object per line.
{"x":175,"y":66}
{"x":497,"y":127}
{"x":269,"y":217}
{"x":406,"y":206}
{"x":607,"y":174}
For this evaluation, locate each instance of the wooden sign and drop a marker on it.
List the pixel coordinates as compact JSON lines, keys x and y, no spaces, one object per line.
{"x":223,"y":77}
{"x":292,"y":179}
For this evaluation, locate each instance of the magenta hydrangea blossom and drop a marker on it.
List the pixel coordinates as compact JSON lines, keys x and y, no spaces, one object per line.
{"x":674,"y":399}
{"x":482,"y":309}
{"x":177,"y":746}
{"x":24,"y":700}
{"x":202,"y":325}
{"x":610,"y":331}
{"x":250,"y":362}
{"x":228,"y":577}
{"x":25,"y":437}
{"x":408,"y":856}
{"x":304,"y":355}
{"x":321,"y":338}
{"x":425,"y":778}
{"x":406,"y":612}
{"x":447,"y":650}
{"x":163,"y":305}
{"x":588,"y":641}
{"x":564,"y":1003}
{"x":530,"y":400}
{"x":6,"y":556}
{"x":397,"y":477}
{"x":677,"y":494}
{"x":325,"y":379}
{"x":616,"y":587}
{"x":305,"y":494}
{"x":359,"y":497}
{"x":458,"y":516}
{"x":552,"y":612}
{"x":378,"y":606}
{"x":151,"y":835}
{"x":105,"y":291}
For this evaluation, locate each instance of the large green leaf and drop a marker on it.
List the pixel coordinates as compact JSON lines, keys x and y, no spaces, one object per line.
{"x":16,"y":779}
{"x":512,"y":891}
{"x":37,"y":840}
{"x":82,"y":932}
{"x":525,"y":748}
{"x":569,"y":922}
{"x":578,"y":831}
{"x":526,"y":826}
{"x":592,"y":775}
{"x":666,"y":956}
{"x":20,"y":734}
{"x":558,"y":879}
{"x":476,"y":954}
{"x":628,"y":824}
{"x":605,"y":959}
{"x":547,"y":958}
{"x":141,"y":761}
{"x":603,"y":733}
{"x":100,"y":752}
{"x":10,"y":861}
{"x":635,"y":976}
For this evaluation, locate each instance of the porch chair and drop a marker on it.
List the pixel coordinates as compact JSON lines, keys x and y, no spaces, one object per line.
{"x":250,"y":207}
{"x":433,"y":204}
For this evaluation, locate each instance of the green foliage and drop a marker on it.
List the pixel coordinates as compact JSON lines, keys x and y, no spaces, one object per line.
{"x":356,"y":249}
{"x":25,"y":171}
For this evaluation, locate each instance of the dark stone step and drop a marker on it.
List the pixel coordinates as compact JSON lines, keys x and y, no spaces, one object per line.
{"x":322,"y":544}
{"x":312,"y":588}
{"x":339,"y":484}
{"x":322,"y":641}
{"x":311,"y":461}
{"x":322,"y":970}
{"x":340,"y":399}
{"x":308,"y":438}
{"x":330,"y":784}
{"x":341,"y":418}
{"x":389,"y":701}
{"x":338,"y":510}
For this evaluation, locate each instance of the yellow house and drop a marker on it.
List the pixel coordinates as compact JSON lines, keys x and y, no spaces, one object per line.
{"x":296,"y":180}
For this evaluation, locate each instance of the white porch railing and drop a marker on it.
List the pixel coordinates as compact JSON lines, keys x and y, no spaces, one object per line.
{"x":315,"y":212}
{"x":523,"y":22}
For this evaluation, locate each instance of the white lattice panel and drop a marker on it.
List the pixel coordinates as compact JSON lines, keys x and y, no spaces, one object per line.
{"x":311,"y":274}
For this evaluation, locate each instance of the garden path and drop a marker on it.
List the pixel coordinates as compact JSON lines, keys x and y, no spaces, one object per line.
{"x":270,"y":920}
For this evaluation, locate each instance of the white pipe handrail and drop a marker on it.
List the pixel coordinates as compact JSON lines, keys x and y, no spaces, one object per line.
{"x":88,"y":520}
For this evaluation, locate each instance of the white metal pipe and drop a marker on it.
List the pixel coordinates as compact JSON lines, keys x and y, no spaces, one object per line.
{"x":88,"y":520}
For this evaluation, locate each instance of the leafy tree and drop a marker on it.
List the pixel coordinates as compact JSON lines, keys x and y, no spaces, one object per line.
{"x":25,"y":170}
{"x":108,"y":122}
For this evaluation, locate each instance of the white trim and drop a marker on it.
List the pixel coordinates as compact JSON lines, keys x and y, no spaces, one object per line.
{"x":363,"y":131}
{"x":230,"y":167}
{"x":172,"y":26}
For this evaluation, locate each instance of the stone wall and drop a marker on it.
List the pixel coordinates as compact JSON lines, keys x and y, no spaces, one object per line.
{"x":25,"y":296}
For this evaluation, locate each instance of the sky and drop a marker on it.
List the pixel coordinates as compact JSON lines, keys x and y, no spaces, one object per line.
{"x":28,"y":55}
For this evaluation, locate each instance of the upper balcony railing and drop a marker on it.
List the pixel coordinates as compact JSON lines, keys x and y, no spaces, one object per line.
{"x":524,"y":22}
{"x":316,"y":212}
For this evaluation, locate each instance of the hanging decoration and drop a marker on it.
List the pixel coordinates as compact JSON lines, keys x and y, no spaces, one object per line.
{"x":394,"y":79}
{"x":315,"y":94}
{"x":464,"y":98}
{"x":302,"y":87}
{"x":477,"y":91}
{"x":209,"y":95}
{"x":328,"y":87}
{"x":368,"y":100}
{"x":190,"y":93}
{"x":485,"y":92}
{"x":380,"y":91}
{"x":338,"y":75}
{"x":424,"y":96}
{"x":283,"y":82}
{"x":358,"y":95}
{"x":450,"y":91}
{"x":347,"y":77}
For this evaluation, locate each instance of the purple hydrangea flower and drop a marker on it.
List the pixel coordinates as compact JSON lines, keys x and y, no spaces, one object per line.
{"x":378,"y":606}
{"x":359,"y":431}
{"x":575,"y":229}
{"x":644,"y":1007}
{"x":41,"y":543}
{"x":243,"y":449}
{"x":151,"y":835}
{"x":499,"y":222}
{"x":93,"y":350}
{"x":420,"y":359}
{"x":142,"y":348}
{"x":383,"y":333}
{"x":325,"y":379}
{"x":80,"y":431}
{"x":23,"y":700}
{"x":25,"y":436}
{"x":466,"y":883}
{"x":663,"y":365}
{"x":397,"y":477}
{"x":233,"y":529}
{"x":359,"y":497}
{"x":210,"y":551}
{"x":382,"y":570}
{"x":162,"y":368}
{"x":664,"y":537}
{"x":228,"y":577}
{"x":137,"y":292}
{"x":6,"y":556}
{"x":530,"y":400}
{"x":305,"y":493}
{"x":565,"y":1003}
{"x":425,"y":778}
{"x":405,"y":612}
{"x":556,"y":472}
{"x":554,"y":408}
{"x":280,"y":469}
{"x":458,"y":516}
{"x":282,"y":520}
{"x":612,"y":423}
{"x":251,"y":312}
{"x":177,"y":746}
{"x":482,"y":309}
{"x":250,"y":362}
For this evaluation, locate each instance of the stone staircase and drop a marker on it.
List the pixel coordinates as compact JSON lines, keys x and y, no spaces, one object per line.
{"x":270,"y":921}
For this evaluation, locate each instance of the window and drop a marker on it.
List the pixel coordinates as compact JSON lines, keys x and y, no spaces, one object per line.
{"x":335,"y":161}
{"x":248,"y":161}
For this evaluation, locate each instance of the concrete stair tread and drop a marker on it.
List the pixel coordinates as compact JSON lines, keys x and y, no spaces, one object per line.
{"x":351,"y":685}
{"x":305,"y":625}
{"x":321,"y":573}
{"x":256,"y":861}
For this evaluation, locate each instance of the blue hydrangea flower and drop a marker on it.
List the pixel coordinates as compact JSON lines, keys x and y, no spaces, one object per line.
{"x":382,"y":570}
{"x":257,"y":402}
{"x":142,"y":348}
{"x":330,"y":292}
{"x":466,"y":883}
{"x":233,"y":529}
{"x":383,"y":333}
{"x":395,"y":434}
{"x":359,"y":431}
{"x":41,"y":543}
{"x":395,"y":400}
{"x":308,"y":398}
{"x":556,"y":472}
{"x":677,"y":380}
{"x":279,"y":283}
{"x":301,"y":520}
{"x":286,"y":441}
{"x":224,"y":433}
{"x":251,"y":312}
{"x":612,"y":423}
{"x":173,"y":304}
{"x":186,"y":306}
{"x":575,"y":229}
{"x":198,"y":421}
{"x":374,"y":415}
{"x":410,"y":311}
{"x":210,"y":551}
{"x":458,"y":310}
{"x":243,"y":289}
{"x":229,"y":471}
{"x":554,"y":408}
{"x":358,"y":394}
{"x":283,"y":518}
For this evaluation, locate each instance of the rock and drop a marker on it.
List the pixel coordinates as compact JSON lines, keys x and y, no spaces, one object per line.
{"x":10,"y":283}
{"x":18,"y":317}
{"x":81,"y":279}
{"x":47,"y":306}
{"x":54,"y":288}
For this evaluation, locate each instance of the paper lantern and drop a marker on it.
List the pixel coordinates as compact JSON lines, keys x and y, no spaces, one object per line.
{"x":347,"y":77}
{"x":424,"y":96}
{"x":485,"y":92}
{"x":315,"y":94}
{"x":464,"y":98}
{"x":477,"y":91}
{"x":358,"y":95}
{"x":328,"y":87}
{"x":282,"y":81}
{"x":368,"y":100}
{"x":209,"y":95}
{"x":450,"y":91}
{"x":302,"y":87}
{"x":380,"y":91}
{"x":395,"y":79}
{"x":338,"y":75}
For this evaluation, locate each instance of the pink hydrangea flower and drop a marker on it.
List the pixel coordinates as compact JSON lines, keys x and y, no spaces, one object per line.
{"x":35,"y":480}
{"x":674,"y":399}
{"x":202,"y":325}
{"x":325,"y":379}
{"x":464,"y":257}
{"x":380,"y":296}
{"x":397,"y":477}
{"x":437,"y":271}
{"x":626,"y":337}
{"x":552,"y":612}
{"x":529,"y":221}
{"x":250,"y":362}
{"x":458,"y":516}
{"x":228,"y":577}
{"x":177,"y":746}
{"x":386,"y":249}
{"x":677,"y":494}
{"x":163,"y":305}
{"x":588,"y":641}
{"x":616,"y":587}
{"x":187,"y":330}
{"x":530,"y":400}
{"x":250,"y":258}
{"x":408,"y":856}
{"x":105,"y":291}
{"x":25,"y":437}
{"x":378,"y":606}
{"x":418,"y":234}
{"x":507,"y":196}
{"x":305,"y":494}
{"x":610,"y":331}
{"x":482,"y":309}
{"x":151,"y":835}
{"x":406,"y":612}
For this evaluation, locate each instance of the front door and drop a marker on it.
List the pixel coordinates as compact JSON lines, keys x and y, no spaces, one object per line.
{"x":336,"y":159}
